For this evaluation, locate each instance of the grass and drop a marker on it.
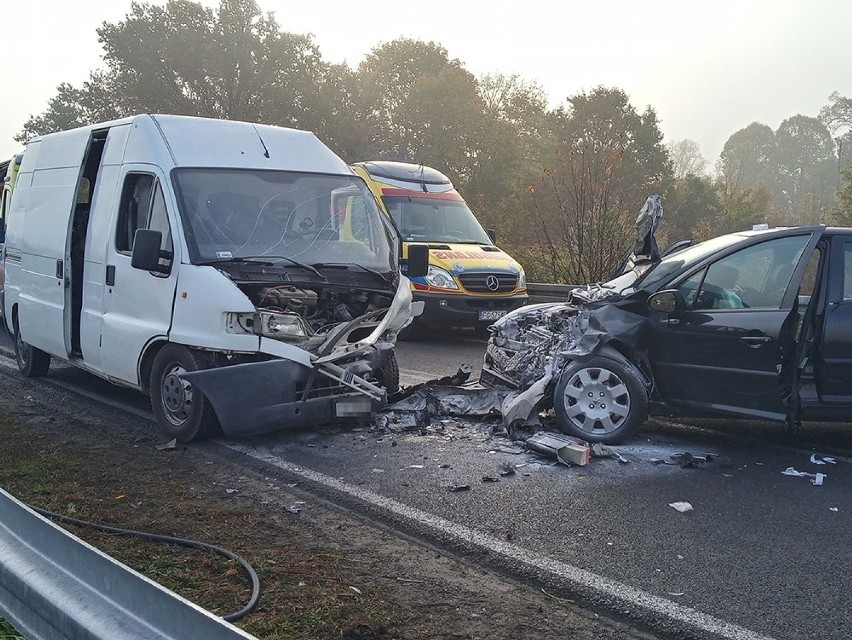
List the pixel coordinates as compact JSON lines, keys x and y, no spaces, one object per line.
{"x":7,"y":631}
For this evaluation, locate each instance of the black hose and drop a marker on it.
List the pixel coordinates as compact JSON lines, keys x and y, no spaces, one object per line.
{"x":192,"y":544}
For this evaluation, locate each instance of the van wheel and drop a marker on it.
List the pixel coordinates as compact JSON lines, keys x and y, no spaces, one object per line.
{"x":181,"y":413}
{"x":600,"y":400}
{"x":388,"y":375}
{"x":32,"y":362}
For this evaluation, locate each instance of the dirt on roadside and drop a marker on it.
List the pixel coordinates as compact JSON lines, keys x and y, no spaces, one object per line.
{"x":324,"y":572}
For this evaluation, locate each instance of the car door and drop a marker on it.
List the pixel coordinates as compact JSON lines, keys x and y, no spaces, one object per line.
{"x":137,"y":304}
{"x":834,"y":351}
{"x":722,"y":354}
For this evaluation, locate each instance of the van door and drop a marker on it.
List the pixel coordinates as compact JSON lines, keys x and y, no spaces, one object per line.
{"x":137,"y":305}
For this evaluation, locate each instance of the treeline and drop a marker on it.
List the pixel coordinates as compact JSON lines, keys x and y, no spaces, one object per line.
{"x":562,"y":186}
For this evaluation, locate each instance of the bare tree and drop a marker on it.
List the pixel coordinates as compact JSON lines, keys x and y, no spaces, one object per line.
{"x":686,"y":158}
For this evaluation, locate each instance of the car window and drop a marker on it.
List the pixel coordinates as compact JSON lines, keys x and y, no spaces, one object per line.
{"x":754,"y":277}
{"x":847,"y":270}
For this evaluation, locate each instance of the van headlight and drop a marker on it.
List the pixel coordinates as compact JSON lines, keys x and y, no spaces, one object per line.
{"x":522,"y":280}
{"x":281,"y":325}
{"x":440,"y":278}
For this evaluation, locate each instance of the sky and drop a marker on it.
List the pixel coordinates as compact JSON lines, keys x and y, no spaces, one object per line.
{"x":707,"y":68}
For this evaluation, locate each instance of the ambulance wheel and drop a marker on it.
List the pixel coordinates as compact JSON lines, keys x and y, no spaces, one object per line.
{"x":600,"y":400}
{"x":181,"y":413}
{"x":32,"y":362}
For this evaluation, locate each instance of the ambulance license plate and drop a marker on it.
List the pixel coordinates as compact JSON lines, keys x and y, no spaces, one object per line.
{"x":491,"y":315}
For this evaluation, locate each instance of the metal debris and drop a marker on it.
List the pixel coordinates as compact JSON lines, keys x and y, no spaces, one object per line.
{"x":564,"y":449}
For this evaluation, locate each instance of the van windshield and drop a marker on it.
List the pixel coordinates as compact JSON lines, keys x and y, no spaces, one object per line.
{"x":435,"y":218}
{"x":233,"y":213}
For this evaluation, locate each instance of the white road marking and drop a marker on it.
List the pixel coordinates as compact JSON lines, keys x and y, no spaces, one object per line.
{"x":583,"y":577}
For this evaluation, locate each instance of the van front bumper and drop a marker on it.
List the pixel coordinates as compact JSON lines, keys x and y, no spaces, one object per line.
{"x":466,"y":311}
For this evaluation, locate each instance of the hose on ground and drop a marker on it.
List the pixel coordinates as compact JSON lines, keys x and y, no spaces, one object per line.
{"x":191,"y":544}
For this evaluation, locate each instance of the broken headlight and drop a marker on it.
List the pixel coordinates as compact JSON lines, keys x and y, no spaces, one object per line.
{"x":281,"y":325}
{"x":522,"y":280}
{"x":440,"y":278}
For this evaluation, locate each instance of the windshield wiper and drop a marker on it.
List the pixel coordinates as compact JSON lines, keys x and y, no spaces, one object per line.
{"x":266,"y":261}
{"x":346,"y":265}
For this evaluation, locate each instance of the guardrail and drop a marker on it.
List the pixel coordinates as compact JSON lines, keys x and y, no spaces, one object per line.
{"x":543,"y":292}
{"x":54,"y":585}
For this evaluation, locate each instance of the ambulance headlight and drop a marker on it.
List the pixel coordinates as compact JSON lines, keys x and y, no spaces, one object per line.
{"x":440,"y":278}
{"x":281,"y":325}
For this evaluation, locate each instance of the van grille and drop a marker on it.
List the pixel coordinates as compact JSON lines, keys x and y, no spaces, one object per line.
{"x":478,"y":282}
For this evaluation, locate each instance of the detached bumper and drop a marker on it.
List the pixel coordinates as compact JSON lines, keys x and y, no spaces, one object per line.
{"x":262,"y":397}
{"x":463,"y":310}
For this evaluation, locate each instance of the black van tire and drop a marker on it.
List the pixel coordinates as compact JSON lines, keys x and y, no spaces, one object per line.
{"x":600,"y":400}
{"x":181,"y":413}
{"x":32,"y":362}
{"x":388,"y":374}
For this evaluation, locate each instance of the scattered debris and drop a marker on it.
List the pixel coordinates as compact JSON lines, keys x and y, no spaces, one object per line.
{"x":163,"y":446}
{"x":823,"y":460}
{"x":683,"y":507}
{"x":816,"y":478}
{"x":564,"y":449}
{"x":600,"y":450}
{"x":459,"y":487}
{"x":355,"y":589}
{"x":506,"y":468}
{"x":835,"y":509}
{"x":296,"y":507}
{"x":231,"y":490}
{"x":490,"y":479}
{"x":687,"y":460}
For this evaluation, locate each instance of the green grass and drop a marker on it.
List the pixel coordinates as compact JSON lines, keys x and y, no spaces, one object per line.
{"x":7,"y":631}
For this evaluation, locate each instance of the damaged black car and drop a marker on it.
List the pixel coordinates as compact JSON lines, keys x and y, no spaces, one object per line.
{"x":756,"y":324}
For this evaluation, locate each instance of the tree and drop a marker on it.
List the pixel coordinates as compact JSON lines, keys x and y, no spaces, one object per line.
{"x":747,"y":156}
{"x":686,"y":158}
{"x":600,"y":166}
{"x":691,"y":201}
{"x":838,"y":114}
{"x":183,"y":58}
{"x":806,"y":169}
{"x":841,"y":215}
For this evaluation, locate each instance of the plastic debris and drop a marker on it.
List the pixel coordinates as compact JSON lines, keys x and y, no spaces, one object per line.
{"x":562,"y":448}
{"x":458,"y":487}
{"x":817,"y":479}
{"x":683,"y":507}
{"x":823,"y":460}
{"x":506,"y":468}
{"x":490,"y":479}
{"x":171,"y":444}
{"x":835,"y":509}
{"x":296,"y":507}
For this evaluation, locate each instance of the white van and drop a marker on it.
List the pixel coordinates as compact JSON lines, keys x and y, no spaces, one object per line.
{"x":241,"y":274}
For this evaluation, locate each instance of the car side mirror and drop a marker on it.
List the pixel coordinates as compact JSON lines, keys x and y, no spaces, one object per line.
{"x":146,"y":250}
{"x":670,"y":301}
{"x":418,"y":260}
{"x":492,"y":234}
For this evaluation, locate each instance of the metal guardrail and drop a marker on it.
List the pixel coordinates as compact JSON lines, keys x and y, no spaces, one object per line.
{"x":543,"y":292}
{"x":55,"y":586}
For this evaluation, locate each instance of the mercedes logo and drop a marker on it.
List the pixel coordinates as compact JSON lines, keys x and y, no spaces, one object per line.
{"x":492,"y":283}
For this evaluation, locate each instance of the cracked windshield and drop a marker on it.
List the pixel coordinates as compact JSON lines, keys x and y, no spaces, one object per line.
{"x":264,"y":215}
{"x":436,"y":218}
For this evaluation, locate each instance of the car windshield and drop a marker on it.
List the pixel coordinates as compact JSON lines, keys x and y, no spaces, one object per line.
{"x":229,"y":214}
{"x":435,"y":218}
{"x":673,"y":263}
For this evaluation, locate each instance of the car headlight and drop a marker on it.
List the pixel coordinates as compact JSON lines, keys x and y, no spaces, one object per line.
{"x":440,"y":278}
{"x":522,"y":279}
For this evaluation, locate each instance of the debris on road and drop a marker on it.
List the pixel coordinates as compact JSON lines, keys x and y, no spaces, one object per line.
{"x":163,"y":446}
{"x":823,"y":460}
{"x":816,"y":478}
{"x":562,"y":448}
{"x":506,"y":468}
{"x":683,"y":507}
{"x":455,"y":488}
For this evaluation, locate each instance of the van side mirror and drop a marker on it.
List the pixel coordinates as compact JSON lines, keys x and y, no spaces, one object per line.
{"x":418,"y":260}
{"x":492,"y":233}
{"x":146,"y":250}
{"x":670,"y":301}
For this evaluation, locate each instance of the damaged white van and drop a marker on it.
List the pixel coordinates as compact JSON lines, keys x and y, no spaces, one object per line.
{"x":240,"y":274}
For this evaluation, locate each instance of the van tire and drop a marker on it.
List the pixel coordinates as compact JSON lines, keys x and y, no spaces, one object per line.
{"x":600,"y":400}
{"x":32,"y":362}
{"x":388,"y":375}
{"x":182,"y":414}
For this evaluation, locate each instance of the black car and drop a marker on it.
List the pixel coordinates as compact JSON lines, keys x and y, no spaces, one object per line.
{"x":755,"y":324}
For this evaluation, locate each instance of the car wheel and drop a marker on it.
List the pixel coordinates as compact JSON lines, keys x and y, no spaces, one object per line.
{"x":181,"y":412}
{"x":32,"y":362}
{"x":388,"y":374}
{"x":600,"y":400}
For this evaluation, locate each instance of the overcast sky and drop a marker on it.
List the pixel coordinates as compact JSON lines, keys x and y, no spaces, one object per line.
{"x":707,"y":68}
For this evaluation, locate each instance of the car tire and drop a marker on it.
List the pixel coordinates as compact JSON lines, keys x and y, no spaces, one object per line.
{"x":181,"y":413}
{"x":600,"y":400}
{"x":32,"y":362}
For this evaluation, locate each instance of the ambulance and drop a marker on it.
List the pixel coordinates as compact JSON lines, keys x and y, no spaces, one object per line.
{"x":470,"y":281}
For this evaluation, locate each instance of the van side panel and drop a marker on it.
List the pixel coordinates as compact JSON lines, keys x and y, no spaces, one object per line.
{"x":104,"y":202}
{"x":44,"y":239}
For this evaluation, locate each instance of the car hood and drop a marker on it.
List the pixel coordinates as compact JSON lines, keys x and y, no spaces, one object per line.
{"x":458,"y":258}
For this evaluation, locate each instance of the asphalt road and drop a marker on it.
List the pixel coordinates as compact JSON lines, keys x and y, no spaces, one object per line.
{"x":761,"y":554}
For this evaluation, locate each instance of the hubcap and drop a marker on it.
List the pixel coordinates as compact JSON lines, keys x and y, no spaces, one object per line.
{"x":596,"y":400}
{"x":177,"y":395}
